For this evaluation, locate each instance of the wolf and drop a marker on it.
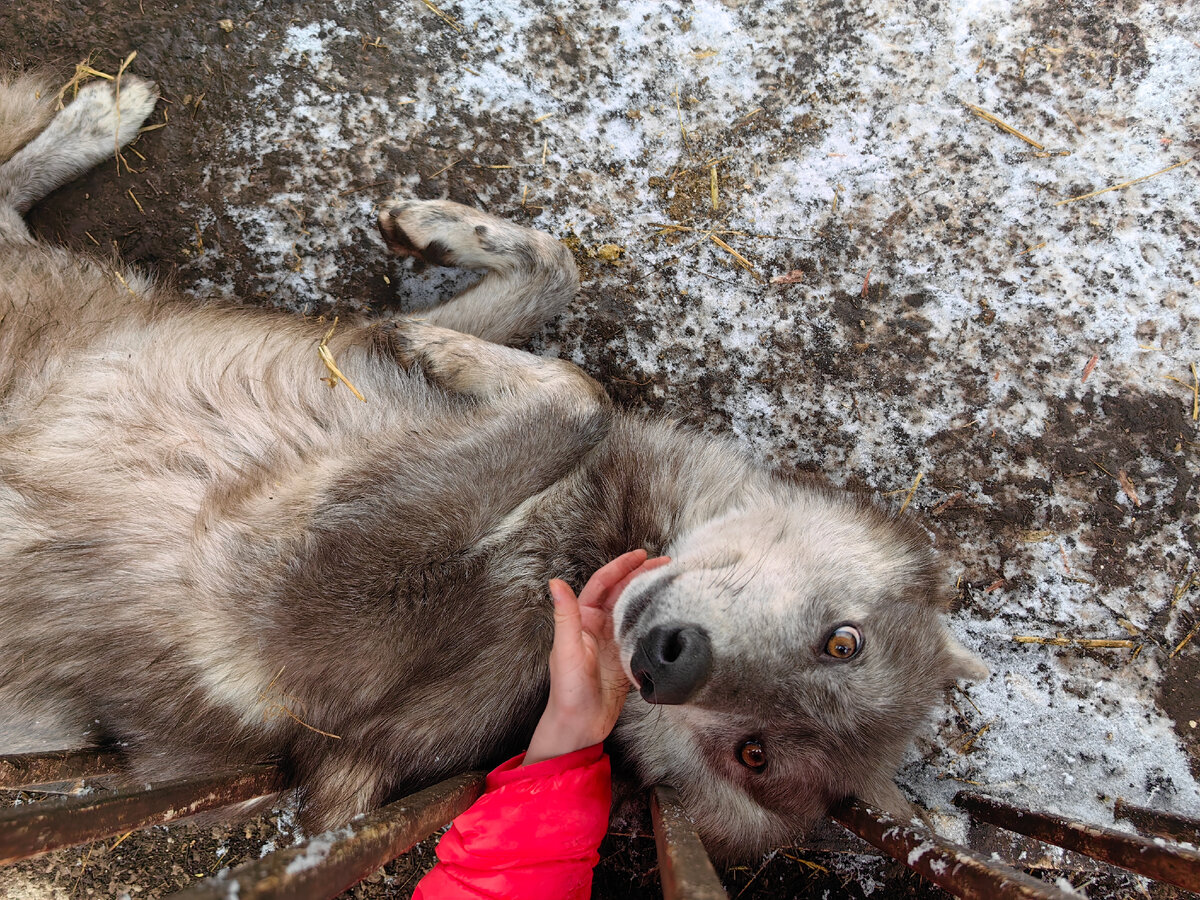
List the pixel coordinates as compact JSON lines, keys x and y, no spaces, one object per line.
{"x":235,"y":534}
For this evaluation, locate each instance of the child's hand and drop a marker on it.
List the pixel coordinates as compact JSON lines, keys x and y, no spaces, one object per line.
{"x":587,"y":684}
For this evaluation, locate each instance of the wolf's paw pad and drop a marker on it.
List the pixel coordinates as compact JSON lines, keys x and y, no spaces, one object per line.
{"x":445,"y":233}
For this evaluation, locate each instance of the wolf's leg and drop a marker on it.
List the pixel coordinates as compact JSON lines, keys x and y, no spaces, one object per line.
{"x":90,"y":129}
{"x":530,"y":277}
{"x":466,"y":364}
{"x":26,"y":107}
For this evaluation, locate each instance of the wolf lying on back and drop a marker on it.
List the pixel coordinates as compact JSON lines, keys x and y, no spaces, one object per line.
{"x":204,"y":544}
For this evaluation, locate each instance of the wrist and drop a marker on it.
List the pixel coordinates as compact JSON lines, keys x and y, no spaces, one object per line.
{"x":557,"y":737}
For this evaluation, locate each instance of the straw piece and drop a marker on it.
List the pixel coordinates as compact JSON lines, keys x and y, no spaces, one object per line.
{"x":1004,"y":126}
{"x":1117,"y":187}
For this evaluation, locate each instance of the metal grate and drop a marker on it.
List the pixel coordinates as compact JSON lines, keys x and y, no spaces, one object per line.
{"x":327,"y":864}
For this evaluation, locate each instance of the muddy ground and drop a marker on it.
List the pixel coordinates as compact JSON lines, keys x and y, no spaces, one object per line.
{"x":792,"y":224}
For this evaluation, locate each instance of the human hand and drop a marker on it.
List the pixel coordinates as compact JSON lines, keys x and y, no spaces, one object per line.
{"x":587,"y":684}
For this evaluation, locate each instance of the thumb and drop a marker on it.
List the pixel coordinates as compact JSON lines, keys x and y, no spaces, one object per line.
{"x":568,"y":621}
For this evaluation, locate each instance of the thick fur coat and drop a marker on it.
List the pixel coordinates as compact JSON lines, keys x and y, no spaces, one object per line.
{"x":212,"y":552}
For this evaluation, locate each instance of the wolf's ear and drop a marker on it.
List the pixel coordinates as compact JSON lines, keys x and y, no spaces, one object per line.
{"x":961,"y":663}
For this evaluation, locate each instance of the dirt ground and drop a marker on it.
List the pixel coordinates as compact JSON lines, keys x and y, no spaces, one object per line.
{"x":794,"y":225}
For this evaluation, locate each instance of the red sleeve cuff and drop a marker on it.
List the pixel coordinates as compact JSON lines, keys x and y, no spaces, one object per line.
{"x":513,"y":770}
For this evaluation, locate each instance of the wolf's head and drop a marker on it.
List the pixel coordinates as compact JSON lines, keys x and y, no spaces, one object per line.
{"x":784,"y":660}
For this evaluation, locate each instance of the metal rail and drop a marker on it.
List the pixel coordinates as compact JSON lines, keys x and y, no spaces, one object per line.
{"x":32,"y":830}
{"x":327,"y":864}
{"x":683,"y":865}
{"x":1171,"y":826}
{"x":960,"y":871}
{"x":26,"y":769}
{"x":1146,"y":856}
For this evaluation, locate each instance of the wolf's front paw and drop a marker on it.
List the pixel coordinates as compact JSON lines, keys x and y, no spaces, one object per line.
{"x":450,"y":234}
{"x":101,"y":112}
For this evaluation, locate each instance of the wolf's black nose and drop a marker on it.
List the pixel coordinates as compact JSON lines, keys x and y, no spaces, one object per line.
{"x":672,"y":662}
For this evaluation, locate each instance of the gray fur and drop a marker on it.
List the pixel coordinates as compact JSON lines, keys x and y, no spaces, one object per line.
{"x":220,"y":558}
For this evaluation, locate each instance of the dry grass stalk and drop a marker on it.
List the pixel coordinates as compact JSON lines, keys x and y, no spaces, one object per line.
{"x":1035,"y":537}
{"x":121,"y":278}
{"x":136,"y":202}
{"x":1089,"y":643}
{"x":275,"y":708}
{"x":1182,"y":588}
{"x":1194,"y":387}
{"x":1117,"y":187}
{"x":446,"y":168}
{"x":966,"y":748}
{"x":1191,"y":634}
{"x":1129,"y":626}
{"x":738,"y":258}
{"x":83,"y":72}
{"x":445,"y":17}
{"x":912,"y":490}
{"x":1127,"y":486}
{"x":675,"y":227}
{"x":335,"y":374}
{"x":748,"y":117}
{"x":117,"y":106}
{"x":866,"y":282}
{"x":1087,"y":370}
{"x":807,"y":863}
{"x":1031,"y":249}
{"x":679,"y":109}
{"x":1002,"y":125}
{"x":1195,"y":394}
{"x":119,"y":840}
{"x":716,"y":202}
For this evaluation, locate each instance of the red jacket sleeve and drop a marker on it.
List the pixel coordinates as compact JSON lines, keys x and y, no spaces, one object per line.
{"x":533,"y":835}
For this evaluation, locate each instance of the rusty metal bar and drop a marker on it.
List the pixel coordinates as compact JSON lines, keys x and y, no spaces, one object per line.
{"x":1171,"y":826}
{"x":683,"y":864}
{"x":1146,"y":856}
{"x":25,"y":769}
{"x":327,"y":864}
{"x":27,"y":831}
{"x":960,"y":871}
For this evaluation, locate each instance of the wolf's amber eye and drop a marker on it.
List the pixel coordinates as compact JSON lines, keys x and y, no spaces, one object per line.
{"x":844,"y":642}
{"x":752,"y":755}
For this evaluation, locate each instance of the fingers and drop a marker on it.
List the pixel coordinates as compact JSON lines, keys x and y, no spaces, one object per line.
{"x":615,"y":594}
{"x":609,"y":575}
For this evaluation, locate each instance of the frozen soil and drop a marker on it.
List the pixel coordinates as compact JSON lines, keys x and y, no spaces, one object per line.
{"x":902,"y":300}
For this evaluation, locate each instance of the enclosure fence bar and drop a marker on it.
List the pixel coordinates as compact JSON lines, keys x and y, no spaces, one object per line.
{"x":327,"y":864}
{"x":1146,"y":856}
{"x":960,"y":871}
{"x":683,"y":865}
{"x":1154,"y":821}
{"x":24,"y":769}
{"x":38,"y":828}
